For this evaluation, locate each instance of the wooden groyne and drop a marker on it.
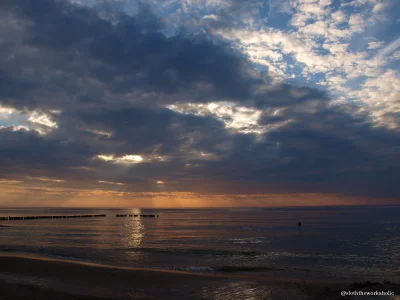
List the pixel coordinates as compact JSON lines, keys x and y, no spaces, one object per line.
{"x":10,"y":218}
{"x":143,"y":216}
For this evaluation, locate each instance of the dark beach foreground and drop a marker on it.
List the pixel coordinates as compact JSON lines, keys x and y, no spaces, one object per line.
{"x":33,"y":277}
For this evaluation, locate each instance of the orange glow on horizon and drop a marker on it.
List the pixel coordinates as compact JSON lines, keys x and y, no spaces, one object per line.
{"x":15,"y":194}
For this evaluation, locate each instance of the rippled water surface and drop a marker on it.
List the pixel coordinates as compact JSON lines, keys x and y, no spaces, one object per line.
{"x":349,"y":242}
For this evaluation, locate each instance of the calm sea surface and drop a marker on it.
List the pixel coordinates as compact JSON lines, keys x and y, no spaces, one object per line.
{"x":343,"y":242}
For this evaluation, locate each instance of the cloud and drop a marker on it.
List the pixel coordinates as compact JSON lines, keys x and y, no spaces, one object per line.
{"x":375,"y":45}
{"x":390,"y":48}
{"x":131,"y":58}
{"x":109,"y":182}
{"x":241,"y":119}
{"x":45,"y":179}
{"x":125,"y":103}
{"x":41,"y":119}
{"x":357,"y":23}
{"x":125,"y":159}
{"x":8,"y":181}
{"x":322,"y":46}
{"x":380,"y":6}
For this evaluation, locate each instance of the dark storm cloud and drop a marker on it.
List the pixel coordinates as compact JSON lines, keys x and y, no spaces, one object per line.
{"x":144,"y":130}
{"x":23,"y":151}
{"x":117,"y":76}
{"x":325,"y":147}
{"x":75,"y":144}
{"x":73,"y":44}
{"x":64,"y":55}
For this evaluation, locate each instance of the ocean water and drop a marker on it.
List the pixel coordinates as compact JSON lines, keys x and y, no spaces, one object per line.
{"x":349,"y":242}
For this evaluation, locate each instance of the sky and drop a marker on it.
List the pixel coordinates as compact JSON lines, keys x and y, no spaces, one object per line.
{"x":199,"y":103}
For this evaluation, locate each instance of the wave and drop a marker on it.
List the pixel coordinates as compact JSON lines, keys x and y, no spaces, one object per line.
{"x":218,"y":269}
{"x":194,"y":251}
{"x":232,"y":269}
{"x":190,"y":269}
{"x":64,"y":257}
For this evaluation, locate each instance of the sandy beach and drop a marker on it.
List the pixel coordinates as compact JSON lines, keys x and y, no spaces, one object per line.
{"x":34,"y":277}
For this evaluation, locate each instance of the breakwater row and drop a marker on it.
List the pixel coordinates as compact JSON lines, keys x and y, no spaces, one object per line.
{"x":10,"y":218}
{"x":143,"y":216}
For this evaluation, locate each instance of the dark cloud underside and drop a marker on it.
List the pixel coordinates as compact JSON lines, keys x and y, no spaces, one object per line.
{"x":111,"y":80}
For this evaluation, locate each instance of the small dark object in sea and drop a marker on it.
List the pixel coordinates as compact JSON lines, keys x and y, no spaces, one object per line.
{"x":299,"y":224}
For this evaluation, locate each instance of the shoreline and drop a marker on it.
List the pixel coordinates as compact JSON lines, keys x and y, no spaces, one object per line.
{"x":223,"y":274}
{"x":33,"y":276}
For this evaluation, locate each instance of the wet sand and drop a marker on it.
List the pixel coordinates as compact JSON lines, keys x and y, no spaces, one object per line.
{"x":33,"y":277}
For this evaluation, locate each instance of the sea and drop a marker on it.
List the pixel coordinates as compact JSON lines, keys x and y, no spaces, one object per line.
{"x":341,"y":242}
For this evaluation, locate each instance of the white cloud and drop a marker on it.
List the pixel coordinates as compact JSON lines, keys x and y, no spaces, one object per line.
{"x":42,"y":119}
{"x":106,"y":157}
{"x":339,"y":17}
{"x":10,"y":181}
{"x":30,"y":120}
{"x":211,"y":17}
{"x":46,"y":179}
{"x":16,"y":128}
{"x":375,"y":45}
{"x":110,"y":182}
{"x":379,"y":7}
{"x":126,"y":159}
{"x":318,"y":26}
{"x":336,"y":48}
{"x":6,"y":112}
{"x":382,"y":95}
{"x":390,"y":48}
{"x":357,"y":22}
{"x":238,"y":118}
{"x":99,"y":132}
{"x":130,"y":159}
{"x":324,"y":3}
{"x":395,"y":56}
{"x":262,"y":52}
